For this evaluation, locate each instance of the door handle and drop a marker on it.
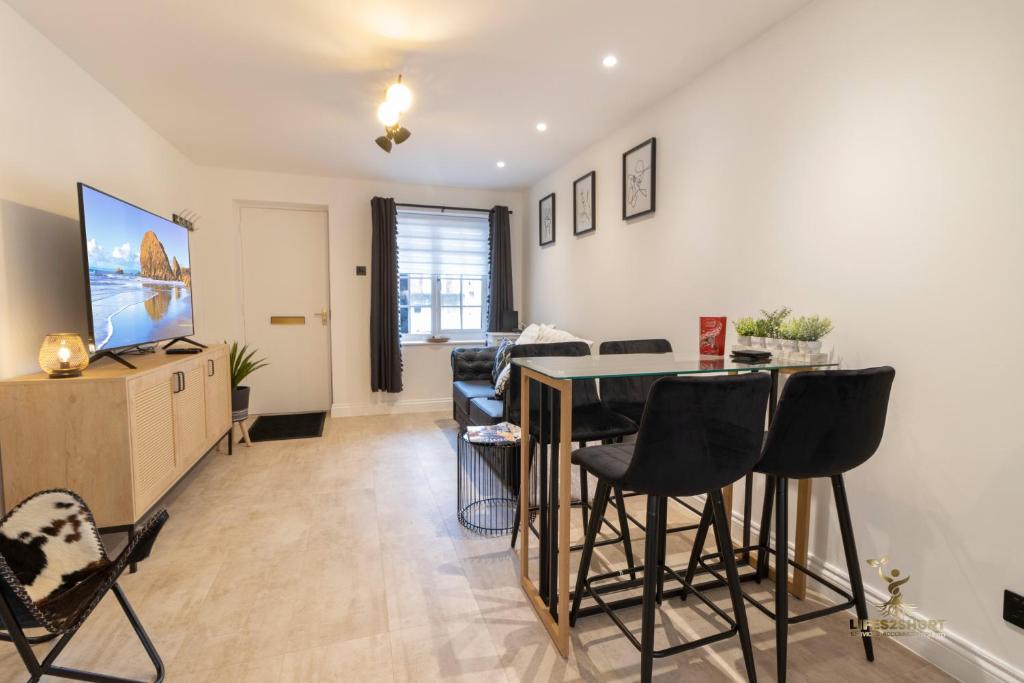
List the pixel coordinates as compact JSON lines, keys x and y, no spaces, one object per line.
{"x":324,"y":315}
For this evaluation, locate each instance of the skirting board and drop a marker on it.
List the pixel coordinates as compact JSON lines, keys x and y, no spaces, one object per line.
{"x":954,"y":654}
{"x":412,"y":405}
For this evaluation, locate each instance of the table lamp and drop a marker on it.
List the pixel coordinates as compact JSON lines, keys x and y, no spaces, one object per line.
{"x":63,"y":355}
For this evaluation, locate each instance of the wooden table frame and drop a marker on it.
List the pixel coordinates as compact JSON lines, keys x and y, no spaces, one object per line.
{"x":555,"y":618}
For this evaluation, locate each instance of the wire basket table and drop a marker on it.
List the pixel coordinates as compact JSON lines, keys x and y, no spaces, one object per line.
{"x":488,"y":483}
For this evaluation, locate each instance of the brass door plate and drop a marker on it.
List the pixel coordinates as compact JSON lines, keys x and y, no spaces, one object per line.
{"x":287,"y":320}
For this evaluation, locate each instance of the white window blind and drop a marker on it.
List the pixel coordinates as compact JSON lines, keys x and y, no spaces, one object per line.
{"x":443,"y":270}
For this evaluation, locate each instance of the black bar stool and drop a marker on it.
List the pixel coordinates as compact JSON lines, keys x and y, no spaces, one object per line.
{"x":827,"y":423}
{"x":697,"y":435}
{"x":592,"y":420}
{"x":628,"y":396}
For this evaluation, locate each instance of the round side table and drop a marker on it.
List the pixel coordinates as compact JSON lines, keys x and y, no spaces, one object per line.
{"x":488,"y":479}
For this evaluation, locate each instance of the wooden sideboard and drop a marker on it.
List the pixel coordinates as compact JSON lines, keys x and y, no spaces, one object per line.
{"x":120,"y":438}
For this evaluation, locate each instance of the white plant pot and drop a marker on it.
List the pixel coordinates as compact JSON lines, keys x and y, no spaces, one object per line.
{"x":757,"y":342}
{"x":772,"y":343}
{"x":811,"y":346}
{"x":743,"y":340}
{"x":789,"y":345}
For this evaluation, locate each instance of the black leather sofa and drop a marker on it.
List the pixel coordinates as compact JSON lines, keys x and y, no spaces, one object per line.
{"x":473,"y":400}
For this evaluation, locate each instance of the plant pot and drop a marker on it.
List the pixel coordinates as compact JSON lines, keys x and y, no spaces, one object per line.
{"x":789,"y":345}
{"x":811,"y":346}
{"x":772,"y":343}
{"x":743,"y":340}
{"x":239,"y":404}
{"x":757,"y":342}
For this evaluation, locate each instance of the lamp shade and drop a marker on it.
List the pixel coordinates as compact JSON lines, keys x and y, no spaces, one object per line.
{"x":63,"y":355}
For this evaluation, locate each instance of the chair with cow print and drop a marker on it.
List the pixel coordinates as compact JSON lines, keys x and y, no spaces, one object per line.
{"x":54,"y":571}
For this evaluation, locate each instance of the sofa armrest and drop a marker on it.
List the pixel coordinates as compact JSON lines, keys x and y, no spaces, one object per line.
{"x":473,"y":362}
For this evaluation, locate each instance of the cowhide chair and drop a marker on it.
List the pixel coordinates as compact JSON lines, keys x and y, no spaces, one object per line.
{"x":54,"y":571}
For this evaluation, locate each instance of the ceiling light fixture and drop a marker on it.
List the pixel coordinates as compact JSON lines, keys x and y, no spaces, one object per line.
{"x":397,"y":100}
{"x":501,"y":164}
{"x":609,"y":61}
{"x":541,"y":127}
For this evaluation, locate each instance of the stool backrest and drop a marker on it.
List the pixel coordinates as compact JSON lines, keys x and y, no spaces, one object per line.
{"x":827,"y":422}
{"x":626,"y":390}
{"x":584,"y":391}
{"x":698,"y":434}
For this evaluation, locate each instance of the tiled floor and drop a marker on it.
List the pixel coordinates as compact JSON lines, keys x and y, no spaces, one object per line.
{"x":340,"y":559}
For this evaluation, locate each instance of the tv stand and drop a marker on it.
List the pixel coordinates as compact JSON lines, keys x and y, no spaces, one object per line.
{"x":111,"y":354}
{"x":183,"y":339}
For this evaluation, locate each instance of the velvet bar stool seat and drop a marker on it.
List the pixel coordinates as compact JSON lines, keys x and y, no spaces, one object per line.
{"x":827,"y":424}
{"x":628,"y":396}
{"x":592,"y":420}
{"x":697,"y":435}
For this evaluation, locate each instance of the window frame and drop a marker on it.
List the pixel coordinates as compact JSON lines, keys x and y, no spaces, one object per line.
{"x":435,"y":309}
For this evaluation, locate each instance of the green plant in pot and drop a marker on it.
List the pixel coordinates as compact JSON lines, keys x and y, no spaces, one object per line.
{"x":771,"y":325}
{"x":745,"y":329}
{"x":811,"y":330}
{"x":789,"y":333}
{"x":242,"y":365}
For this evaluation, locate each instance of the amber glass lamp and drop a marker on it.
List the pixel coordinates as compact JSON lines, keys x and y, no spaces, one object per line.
{"x":63,"y":355}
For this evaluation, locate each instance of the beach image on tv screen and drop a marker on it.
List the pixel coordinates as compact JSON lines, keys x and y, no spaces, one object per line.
{"x":140,"y":279}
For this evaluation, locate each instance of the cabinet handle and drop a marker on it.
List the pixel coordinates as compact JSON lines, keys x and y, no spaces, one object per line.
{"x":212,"y":369}
{"x":182,"y":380}
{"x":177,"y":382}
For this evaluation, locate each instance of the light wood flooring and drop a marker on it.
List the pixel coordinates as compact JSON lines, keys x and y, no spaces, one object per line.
{"x":341,"y":559}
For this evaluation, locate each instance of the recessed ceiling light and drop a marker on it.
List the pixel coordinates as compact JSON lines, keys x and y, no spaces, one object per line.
{"x":501,"y":164}
{"x":609,"y":61}
{"x":541,"y":127}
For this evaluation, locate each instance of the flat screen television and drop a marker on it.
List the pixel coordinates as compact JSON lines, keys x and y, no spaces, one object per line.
{"x":138,"y":275}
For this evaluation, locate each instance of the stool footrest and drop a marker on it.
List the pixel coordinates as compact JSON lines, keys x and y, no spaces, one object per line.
{"x":609,"y":608}
{"x":807,"y":616}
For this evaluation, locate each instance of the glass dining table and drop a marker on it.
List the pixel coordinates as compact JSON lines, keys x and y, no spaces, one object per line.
{"x":550,"y":594}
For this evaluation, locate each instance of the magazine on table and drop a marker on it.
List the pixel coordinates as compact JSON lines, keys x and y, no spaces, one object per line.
{"x":503,"y":432}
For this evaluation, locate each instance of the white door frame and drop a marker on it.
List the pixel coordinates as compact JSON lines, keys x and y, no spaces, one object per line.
{"x":240,"y":261}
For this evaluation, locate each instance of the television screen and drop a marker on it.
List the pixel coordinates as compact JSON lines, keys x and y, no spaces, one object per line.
{"x":138,"y":273}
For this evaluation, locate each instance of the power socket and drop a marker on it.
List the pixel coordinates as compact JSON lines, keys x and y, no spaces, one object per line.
{"x":1013,"y":608}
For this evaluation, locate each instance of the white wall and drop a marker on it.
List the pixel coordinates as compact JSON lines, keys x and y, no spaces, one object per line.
{"x":58,"y":126}
{"x":863,"y":160}
{"x":218,"y":280}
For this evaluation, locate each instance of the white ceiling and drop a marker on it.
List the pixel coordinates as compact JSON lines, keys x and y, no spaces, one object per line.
{"x":293,"y":85}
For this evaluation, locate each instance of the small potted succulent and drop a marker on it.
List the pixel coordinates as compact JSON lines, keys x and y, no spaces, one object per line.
{"x":789,"y":333}
{"x":773,"y":321}
{"x":812,"y":329}
{"x":745,"y":329}
{"x":242,"y":365}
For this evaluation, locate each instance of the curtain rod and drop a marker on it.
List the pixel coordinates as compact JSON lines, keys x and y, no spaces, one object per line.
{"x":444,"y":208}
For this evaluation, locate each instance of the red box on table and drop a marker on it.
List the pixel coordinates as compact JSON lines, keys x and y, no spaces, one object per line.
{"x":712,"y":335}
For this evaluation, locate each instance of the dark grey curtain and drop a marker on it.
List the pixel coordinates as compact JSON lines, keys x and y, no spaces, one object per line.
{"x":500,"y":293}
{"x":385,"y":346}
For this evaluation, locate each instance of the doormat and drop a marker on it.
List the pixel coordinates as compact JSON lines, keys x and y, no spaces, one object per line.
{"x":281,"y":427}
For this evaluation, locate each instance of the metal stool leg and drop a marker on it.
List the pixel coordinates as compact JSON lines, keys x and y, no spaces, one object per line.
{"x":765,"y":530}
{"x":627,"y":542}
{"x":781,"y":575}
{"x":852,"y":564}
{"x":725,"y":549}
{"x":651,"y":571}
{"x":600,"y":504}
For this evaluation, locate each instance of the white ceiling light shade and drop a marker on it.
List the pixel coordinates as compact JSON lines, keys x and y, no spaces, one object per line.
{"x":500,"y":164}
{"x":609,"y":61}
{"x":387,"y":114}
{"x":541,"y":127}
{"x":399,"y":96}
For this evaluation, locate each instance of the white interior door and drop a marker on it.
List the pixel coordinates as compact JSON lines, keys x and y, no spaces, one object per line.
{"x":287,"y":308}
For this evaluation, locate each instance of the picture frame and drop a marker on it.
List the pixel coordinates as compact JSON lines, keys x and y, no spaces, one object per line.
{"x":639,"y":180}
{"x":546,"y":219}
{"x":584,"y":204}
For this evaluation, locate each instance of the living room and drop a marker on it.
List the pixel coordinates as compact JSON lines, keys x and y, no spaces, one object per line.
{"x":370,"y":199}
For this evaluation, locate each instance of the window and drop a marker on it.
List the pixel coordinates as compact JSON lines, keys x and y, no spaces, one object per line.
{"x":443,"y":264}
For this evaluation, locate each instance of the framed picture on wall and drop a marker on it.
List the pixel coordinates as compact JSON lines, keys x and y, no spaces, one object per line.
{"x":547,"y":219}
{"x":584,"y":192}
{"x":638,"y":180}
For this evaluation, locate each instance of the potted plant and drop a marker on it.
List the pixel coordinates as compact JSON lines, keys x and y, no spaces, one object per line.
{"x":773,"y":324}
{"x":812,"y":329}
{"x":789,"y":333}
{"x":759,"y":336}
{"x":242,"y":365}
{"x":745,"y":329}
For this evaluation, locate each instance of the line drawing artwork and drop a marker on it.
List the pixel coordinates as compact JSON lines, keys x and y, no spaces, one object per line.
{"x":547,"y":222}
{"x":584,"y":208}
{"x":638,"y":183}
